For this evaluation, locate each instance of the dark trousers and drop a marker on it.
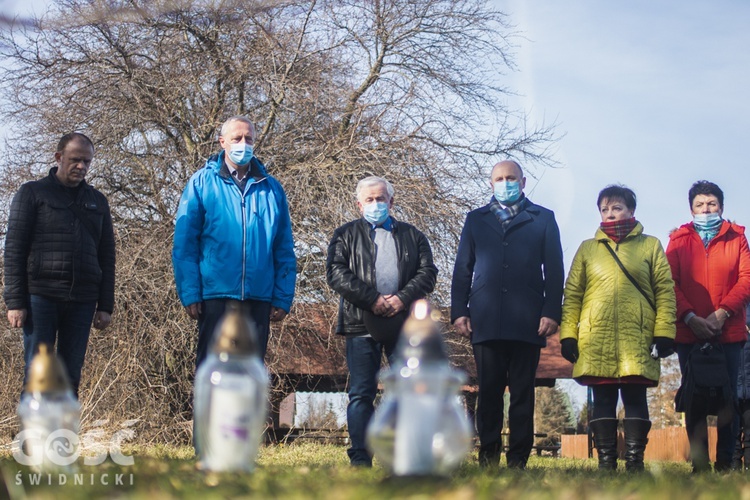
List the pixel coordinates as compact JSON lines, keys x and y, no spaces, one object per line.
{"x":510,"y":364}
{"x":727,"y":420}
{"x":363,"y":357}
{"x":742,"y":450}
{"x":68,"y":323}
{"x":258,"y":313}
{"x":633,"y":399}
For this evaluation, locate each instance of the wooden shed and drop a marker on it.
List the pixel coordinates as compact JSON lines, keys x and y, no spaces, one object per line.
{"x":306,"y":355}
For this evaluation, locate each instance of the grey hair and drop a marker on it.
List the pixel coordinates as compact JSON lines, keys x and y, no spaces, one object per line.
{"x":372,"y":181}
{"x":236,"y":118}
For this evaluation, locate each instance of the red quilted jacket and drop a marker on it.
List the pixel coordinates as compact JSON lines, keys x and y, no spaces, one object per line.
{"x":709,"y":278}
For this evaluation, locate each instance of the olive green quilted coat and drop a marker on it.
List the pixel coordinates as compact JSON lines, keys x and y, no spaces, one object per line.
{"x":613,"y":322}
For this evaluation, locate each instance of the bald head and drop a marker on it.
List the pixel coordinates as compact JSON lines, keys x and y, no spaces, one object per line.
{"x":508,"y":171}
{"x":507,"y":165}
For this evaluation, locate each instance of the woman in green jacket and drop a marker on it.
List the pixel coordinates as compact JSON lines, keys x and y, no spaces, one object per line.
{"x":618,"y":319}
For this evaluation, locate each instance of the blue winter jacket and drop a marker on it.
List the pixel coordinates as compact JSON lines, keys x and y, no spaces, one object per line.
{"x":230,"y":244}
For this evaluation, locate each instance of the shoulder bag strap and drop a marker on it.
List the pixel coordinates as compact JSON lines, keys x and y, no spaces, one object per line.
{"x":627,"y":274}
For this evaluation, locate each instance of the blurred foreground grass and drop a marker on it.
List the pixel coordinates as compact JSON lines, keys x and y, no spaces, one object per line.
{"x":309,"y":470}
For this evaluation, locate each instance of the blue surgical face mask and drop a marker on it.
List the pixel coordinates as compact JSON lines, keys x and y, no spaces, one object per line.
{"x":376,"y":212}
{"x":707,"y":221}
{"x":507,"y":192}
{"x":241,"y":153}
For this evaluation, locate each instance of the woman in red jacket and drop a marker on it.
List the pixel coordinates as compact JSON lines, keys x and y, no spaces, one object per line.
{"x":710,"y":263}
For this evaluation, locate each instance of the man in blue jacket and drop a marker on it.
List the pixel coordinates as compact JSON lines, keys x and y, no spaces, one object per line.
{"x":506,"y":297}
{"x":233,"y":239}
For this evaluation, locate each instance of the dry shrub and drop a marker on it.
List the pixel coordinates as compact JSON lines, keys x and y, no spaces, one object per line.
{"x":141,"y":367}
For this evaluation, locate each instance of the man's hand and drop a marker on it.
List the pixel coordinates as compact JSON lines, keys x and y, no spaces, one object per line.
{"x":17,"y":317}
{"x":102,"y":320}
{"x":547,"y":327}
{"x":277,"y":314}
{"x":701,"y":328}
{"x":194,"y":310}
{"x":382,"y":307}
{"x":716,"y":319}
{"x":463,"y":326}
{"x":396,"y":304}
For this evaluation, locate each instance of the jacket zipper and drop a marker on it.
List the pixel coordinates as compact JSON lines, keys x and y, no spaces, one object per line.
{"x":243,"y":204}
{"x":244,"y":245}
{"x":400,"y":257}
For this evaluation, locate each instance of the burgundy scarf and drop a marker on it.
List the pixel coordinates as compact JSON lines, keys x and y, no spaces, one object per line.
{"x":618,"y":229}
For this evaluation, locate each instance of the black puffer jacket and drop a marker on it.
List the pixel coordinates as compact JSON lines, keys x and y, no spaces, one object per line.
{"x":350,"y":269}
{"x":50,"y":252}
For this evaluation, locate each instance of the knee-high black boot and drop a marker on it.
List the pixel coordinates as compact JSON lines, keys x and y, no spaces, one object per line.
{"x":636,"y":438}
{"x":605,"y":440}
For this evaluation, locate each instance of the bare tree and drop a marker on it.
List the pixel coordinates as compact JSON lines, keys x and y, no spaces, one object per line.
{"x":661,"y":398}
{"x":410,"y":90}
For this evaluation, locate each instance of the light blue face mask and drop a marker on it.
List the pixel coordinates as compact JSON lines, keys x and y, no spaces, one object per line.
{"x":707,"y":226}
{"x":376,"y":212}
{"x":707,"y":221}
{"x":507,"y":192}
{"x":241,"y":154}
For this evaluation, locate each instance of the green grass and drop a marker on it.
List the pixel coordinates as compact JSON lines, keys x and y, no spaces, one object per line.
{"x":309,"y":470}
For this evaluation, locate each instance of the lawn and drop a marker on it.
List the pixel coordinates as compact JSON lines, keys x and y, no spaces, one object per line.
{"x":309,"y":470}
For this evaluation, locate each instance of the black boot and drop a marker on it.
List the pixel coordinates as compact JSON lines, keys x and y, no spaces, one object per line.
{"x":489,"y":455}
{"x":605,"y":440}
{"x":636,"y":438}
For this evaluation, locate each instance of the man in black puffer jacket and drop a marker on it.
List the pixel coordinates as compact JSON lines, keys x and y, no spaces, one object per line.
{"x":60,"y":258}
{"x":379,"y":266}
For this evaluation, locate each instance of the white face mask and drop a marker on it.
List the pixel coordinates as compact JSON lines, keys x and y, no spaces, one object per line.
{"x":376,"y":212}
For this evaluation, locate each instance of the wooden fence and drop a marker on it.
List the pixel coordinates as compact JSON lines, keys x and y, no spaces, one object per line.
{"x":670,"y":444}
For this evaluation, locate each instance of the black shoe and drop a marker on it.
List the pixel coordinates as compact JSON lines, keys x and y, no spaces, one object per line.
{"x":517,"y":464}
{"x":722,"y":467}
{"x":489,"y":456}
{"x":361,"y":464}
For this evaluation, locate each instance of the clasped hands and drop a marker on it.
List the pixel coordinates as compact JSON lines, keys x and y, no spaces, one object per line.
{"x":387,"y":305}
{"x":710,"y":326}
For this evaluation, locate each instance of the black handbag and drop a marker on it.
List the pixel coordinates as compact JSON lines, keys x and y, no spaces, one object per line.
{"x":706,"y":380}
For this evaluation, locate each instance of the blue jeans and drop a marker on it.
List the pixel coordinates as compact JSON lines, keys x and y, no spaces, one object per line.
{"x":363,"y":356}
{"x":728,"y":422}
{"x":212,"y":310}
{"x":67,"y":322}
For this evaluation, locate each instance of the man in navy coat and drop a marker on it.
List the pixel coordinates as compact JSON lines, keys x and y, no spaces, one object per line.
{"x":506,"y":297}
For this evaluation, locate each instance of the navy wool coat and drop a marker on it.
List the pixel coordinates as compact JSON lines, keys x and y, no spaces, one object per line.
{"x":507,"y":280}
